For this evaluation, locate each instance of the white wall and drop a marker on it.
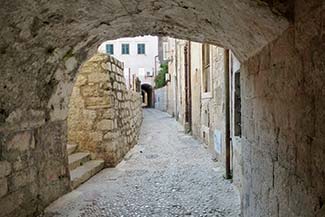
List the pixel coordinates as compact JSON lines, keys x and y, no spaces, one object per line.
{"x":161,"y":99}
{"x":134,"y":61}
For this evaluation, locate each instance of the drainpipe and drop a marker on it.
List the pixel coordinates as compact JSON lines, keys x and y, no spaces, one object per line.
{"x":186,"y":86}
{"x":130,"y":78}
{"x":176,"y":83}
{"x":227,"y":113}
{"x":190,"y":84}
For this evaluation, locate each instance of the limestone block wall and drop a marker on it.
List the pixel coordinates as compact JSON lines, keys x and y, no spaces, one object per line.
{"x":33,"y":166}
{"x":104,"y":117}
{"x":283,"y":120}
{"x":216,"y":104}
{"x":208,"y":108}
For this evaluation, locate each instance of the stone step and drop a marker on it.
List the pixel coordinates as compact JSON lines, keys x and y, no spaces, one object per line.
{"x":71,"y":148}
{"x":78,"y":159}
{"x":85,"y":172}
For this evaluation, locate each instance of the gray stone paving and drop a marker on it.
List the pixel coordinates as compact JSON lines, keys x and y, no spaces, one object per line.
{"x":168,"y":174}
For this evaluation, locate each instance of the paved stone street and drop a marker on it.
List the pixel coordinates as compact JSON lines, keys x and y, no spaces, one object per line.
{"x":168,"y":174}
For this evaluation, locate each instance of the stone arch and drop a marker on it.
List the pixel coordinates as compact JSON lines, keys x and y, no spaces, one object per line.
{"x":149,"y":95}
{"x":43,"y":43}
{"x":49,"y":41}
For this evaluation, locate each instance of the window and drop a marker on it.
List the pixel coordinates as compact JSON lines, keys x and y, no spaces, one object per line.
{"x":237,"y":112}
{"x":206,"y":68}
{"x":165,"y":50}
{"x":125,"y":49}
{"x":110,"y":49}
{"x":141,"y":49}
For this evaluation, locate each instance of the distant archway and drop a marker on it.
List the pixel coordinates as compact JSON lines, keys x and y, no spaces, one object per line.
{"x":147,"y":95}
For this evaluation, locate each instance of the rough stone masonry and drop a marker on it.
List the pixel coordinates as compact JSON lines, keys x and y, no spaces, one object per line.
{"x":104,"y":117}
{"x":281,"y":47}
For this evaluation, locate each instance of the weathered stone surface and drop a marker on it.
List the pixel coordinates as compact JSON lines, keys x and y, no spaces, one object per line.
{"x":105,"y":125}
{"x":3,"y":187}
{"x":282,"y":126}
{"x":38,"y":37}
{"x":5,"y":168}
{"x":21,"y":179}
{"x":57,"y":37}
{"x":21,"y":141}
{"x":97,"y":77}
{"x":71,"y":64}
{"x":100,"y":118}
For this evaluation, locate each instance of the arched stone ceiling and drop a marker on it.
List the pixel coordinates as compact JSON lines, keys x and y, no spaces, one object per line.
{"x":38,"y":37}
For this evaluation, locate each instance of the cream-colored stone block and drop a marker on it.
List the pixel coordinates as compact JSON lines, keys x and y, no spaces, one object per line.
{"x":105,"y":125}
{"x":89,"y":114}
{"x":109,"y":114}
{"x":90,"y":90}
{"x":98,"y":102}
{"x":119,"y":95}
{"x":111,"y":135}
{"x":81,"y":80}
{"x":96,"y":136}
{"x":109,"y":66}
{"x":98,"y":77}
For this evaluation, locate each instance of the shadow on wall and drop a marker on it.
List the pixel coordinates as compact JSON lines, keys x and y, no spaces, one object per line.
{"x":104,"y":117}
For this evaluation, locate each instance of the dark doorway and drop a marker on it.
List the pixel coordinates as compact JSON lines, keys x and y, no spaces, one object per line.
{"x":237,"y":105}
{"x":188,"y":94}
{"x":147,"y":95}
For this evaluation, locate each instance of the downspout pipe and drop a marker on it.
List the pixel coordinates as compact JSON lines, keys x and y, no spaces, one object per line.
{"x":156,"y":68}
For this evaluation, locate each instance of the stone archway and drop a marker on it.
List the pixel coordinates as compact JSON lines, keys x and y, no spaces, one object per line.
{"x":148,"y":95}
{"x":43,"y":43}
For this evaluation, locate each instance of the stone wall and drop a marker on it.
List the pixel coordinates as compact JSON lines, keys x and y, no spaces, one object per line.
{"x":208,"y":108}
{"x":33,"y":167}
{"x":283,"y":121}
{"x":213,"y":107}
{"x":161,"y":99}
{"x":44,"y":42}
{"x":104,"y":117}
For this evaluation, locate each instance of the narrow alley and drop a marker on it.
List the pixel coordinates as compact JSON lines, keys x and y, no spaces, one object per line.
{"x":168,"y":174}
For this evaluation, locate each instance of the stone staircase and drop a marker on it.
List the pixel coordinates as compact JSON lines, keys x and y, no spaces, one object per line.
{"x":81,"y":166}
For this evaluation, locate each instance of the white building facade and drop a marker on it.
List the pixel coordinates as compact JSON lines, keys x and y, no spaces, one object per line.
{"x":139,"y":54}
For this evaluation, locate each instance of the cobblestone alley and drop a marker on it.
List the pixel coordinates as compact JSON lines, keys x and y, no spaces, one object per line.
{"x":168,"y":174}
